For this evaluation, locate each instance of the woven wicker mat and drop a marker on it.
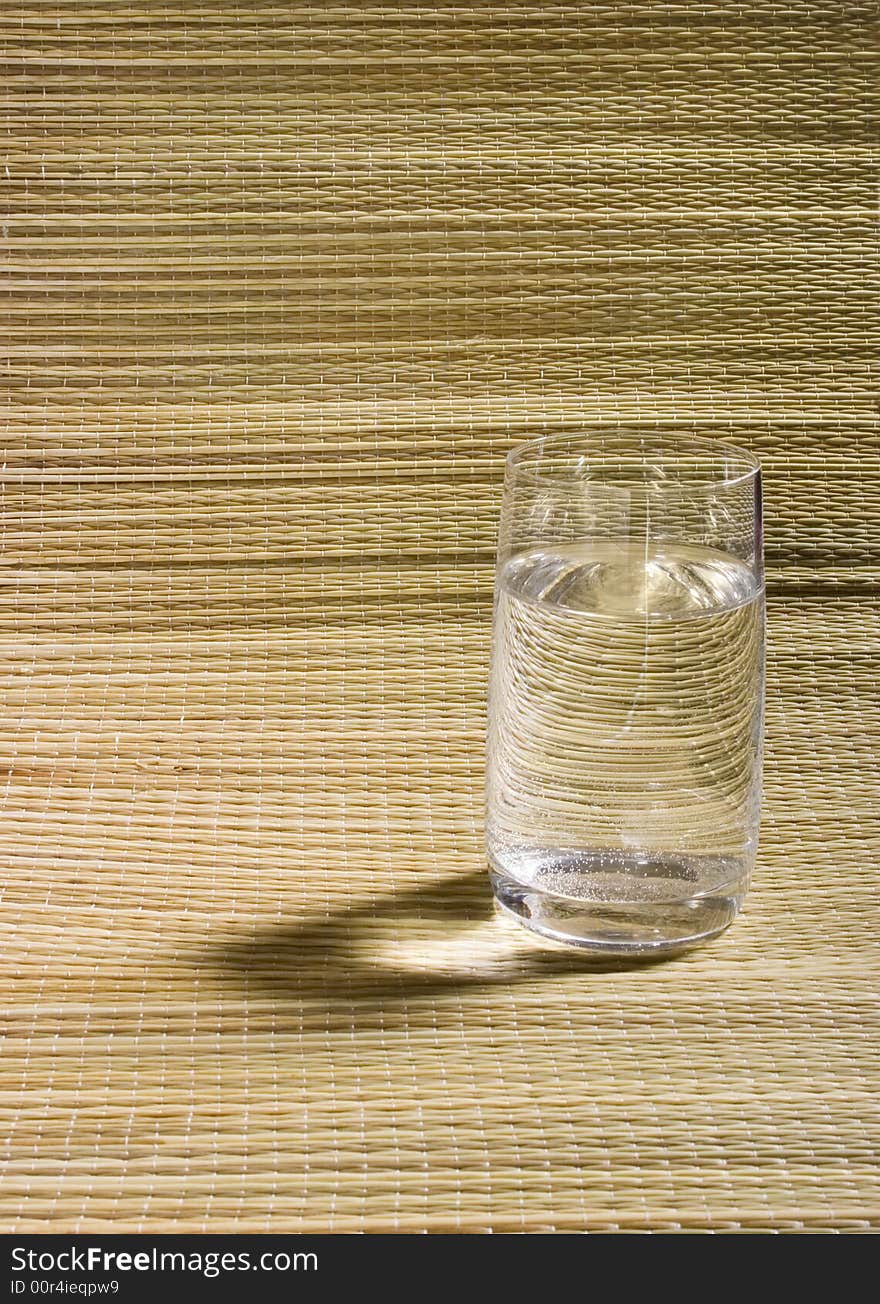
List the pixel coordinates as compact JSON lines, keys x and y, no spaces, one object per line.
{"x":282,"y":285}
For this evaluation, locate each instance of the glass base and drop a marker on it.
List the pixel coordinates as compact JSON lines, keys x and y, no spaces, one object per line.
{"x":624,"y":928}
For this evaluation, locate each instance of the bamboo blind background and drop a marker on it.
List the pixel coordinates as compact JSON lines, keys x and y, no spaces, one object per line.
{"x":282,"y":283}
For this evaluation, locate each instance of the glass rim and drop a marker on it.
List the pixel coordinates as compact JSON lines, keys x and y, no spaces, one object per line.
{"x":517,"y":461}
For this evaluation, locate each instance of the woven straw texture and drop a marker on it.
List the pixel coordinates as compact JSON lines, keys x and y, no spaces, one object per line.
{"x":282,"y":285}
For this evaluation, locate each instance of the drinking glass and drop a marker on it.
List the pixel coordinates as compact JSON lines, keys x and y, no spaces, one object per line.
{"x":626,"y":690}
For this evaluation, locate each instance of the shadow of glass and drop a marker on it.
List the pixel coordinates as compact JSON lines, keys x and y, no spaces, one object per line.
{"x":356,"y":967}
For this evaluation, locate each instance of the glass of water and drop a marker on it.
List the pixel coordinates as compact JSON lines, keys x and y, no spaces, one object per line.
{"x":626,"y":692}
